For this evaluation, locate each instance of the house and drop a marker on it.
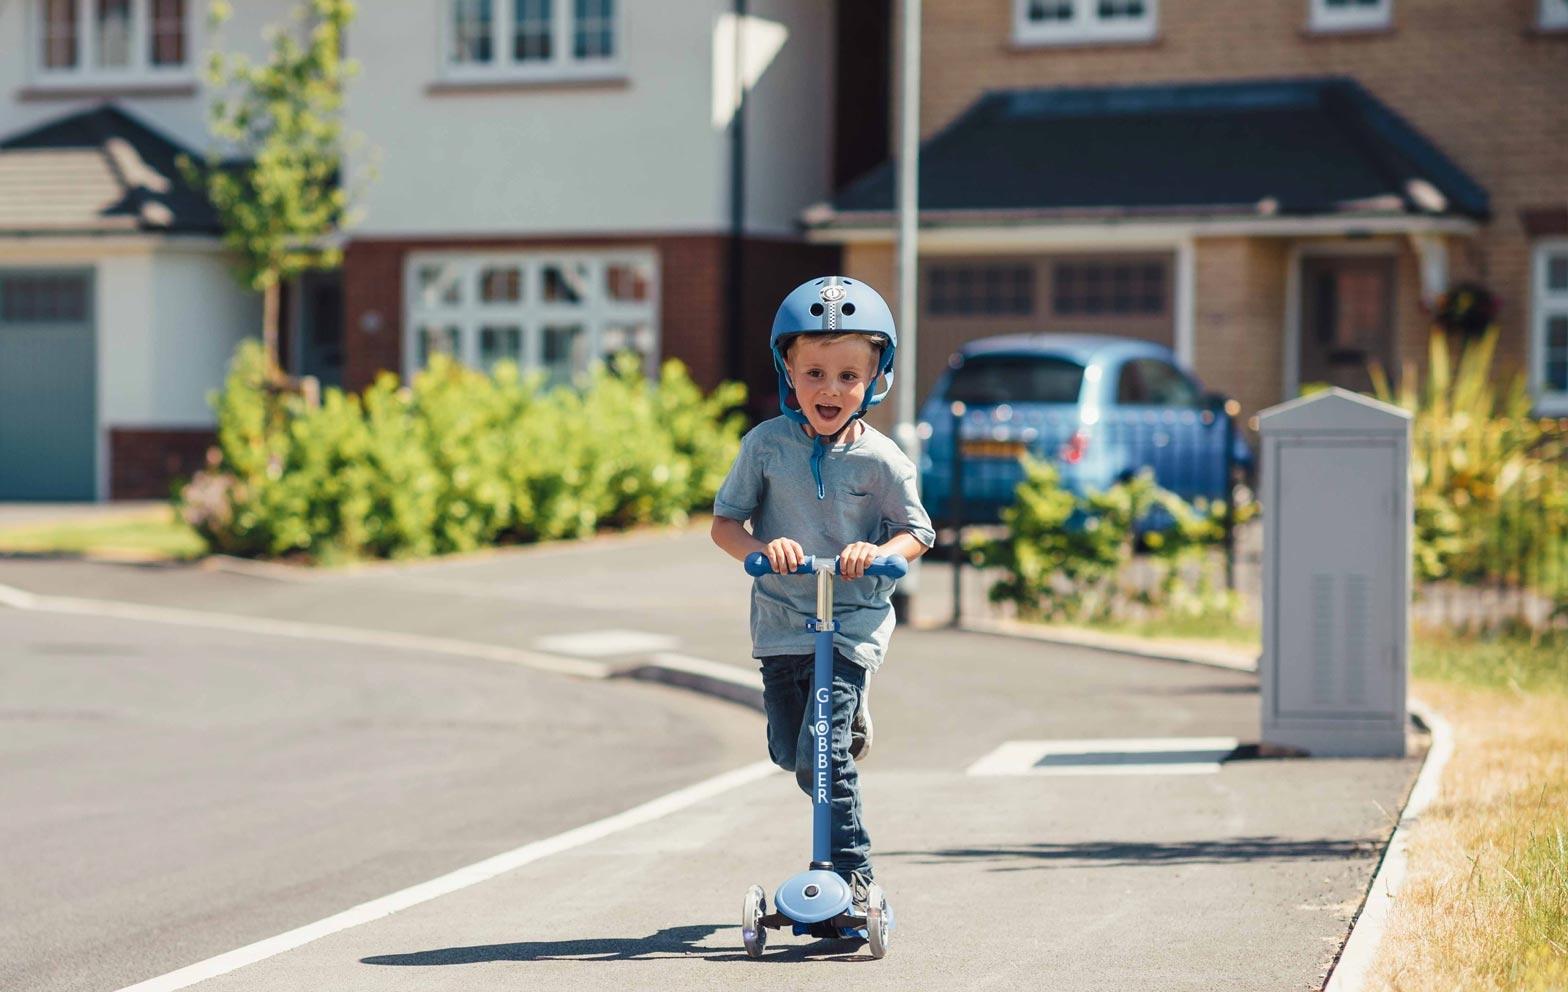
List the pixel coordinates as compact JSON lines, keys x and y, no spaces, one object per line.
{"x":1279,"y":190}
{"x":547,"y":183}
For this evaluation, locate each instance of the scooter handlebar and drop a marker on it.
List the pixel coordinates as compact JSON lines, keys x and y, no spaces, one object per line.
{"x":884,"y":566}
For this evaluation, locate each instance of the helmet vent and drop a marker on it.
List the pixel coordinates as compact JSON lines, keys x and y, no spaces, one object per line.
{"x":816,"y":309}
{"x":849,"y":309}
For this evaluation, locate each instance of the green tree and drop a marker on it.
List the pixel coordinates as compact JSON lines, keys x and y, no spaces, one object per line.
{"x":282,"y":117}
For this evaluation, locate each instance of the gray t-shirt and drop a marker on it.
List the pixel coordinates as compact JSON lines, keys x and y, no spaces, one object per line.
{"x":870,"y":487}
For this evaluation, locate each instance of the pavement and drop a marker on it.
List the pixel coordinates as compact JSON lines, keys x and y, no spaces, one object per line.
{"x":1043,"y":815}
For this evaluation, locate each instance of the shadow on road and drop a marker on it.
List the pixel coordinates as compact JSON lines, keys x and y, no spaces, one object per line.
{"x":675,"y":941}
{"x":1119,"y":854}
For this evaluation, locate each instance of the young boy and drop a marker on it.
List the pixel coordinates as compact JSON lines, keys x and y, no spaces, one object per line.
{"x":819,"y":481}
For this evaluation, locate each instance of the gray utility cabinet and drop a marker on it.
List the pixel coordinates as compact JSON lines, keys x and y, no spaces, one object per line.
{"x":1336,"y":575}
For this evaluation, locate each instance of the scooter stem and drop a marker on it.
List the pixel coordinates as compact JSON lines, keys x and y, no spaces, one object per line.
{"x":822,"y":724}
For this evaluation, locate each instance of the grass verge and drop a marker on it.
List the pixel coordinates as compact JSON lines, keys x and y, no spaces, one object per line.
{"x":1485,"y":904}
{"x":153,"y":534}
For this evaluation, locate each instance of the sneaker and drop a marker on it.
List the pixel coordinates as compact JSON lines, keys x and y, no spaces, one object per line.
{"x":860,"y":726}
{"x":859,"y":891}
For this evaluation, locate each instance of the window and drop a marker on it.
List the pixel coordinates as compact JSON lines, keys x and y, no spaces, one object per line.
{"x":1553,"y":15}
{"x":43,"y":299}
{"x":1066,"y":22}
{"x":980,"y":290}
{"x":547,"y":313}
{"x":985,"y":380}
{"x":1151,"y":382}
{"x":531,"y":39}
{"x":1549,"y":334}
{"x":112,"y":41}
{"x":1092,"y":289}
{"x":1351,"y":15}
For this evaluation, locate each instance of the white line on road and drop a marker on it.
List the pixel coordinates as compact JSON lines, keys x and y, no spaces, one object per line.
{"x":1136,"y":756}
{"x":23,"y":600}
{"x":459,"y":879}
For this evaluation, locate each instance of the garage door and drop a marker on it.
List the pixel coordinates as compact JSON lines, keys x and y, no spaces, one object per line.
{"x":47,"y":386}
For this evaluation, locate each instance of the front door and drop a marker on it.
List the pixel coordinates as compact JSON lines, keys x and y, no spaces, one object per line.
{"x":48,"y":376}
{"x":1347,"y":320}
{"x":320,"y":329}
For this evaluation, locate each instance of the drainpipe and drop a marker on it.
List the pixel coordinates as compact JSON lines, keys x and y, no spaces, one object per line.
{"x":908,"y":207}
{"x":734,"y":305}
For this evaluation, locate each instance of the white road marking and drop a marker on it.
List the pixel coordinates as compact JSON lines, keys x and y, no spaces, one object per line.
{"x":22,"y":600}
{"x":454,"y":881}
{"x":1136,"y":756}
{"x":605,"y":643}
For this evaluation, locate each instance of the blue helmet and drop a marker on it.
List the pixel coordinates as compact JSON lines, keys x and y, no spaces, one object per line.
{"x":833,"y":305}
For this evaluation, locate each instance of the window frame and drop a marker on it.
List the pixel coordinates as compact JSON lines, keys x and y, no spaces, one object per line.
{"x":1016,"y":284}
{"x":1108,"y":266}
{"x":140,"y":72}
{"x":1544,"y":305}
{"x":503,"y":67}
{"x":531,"y":314}
{"x":1086,"y":27}
{"x":1551,"y":15}
{"x":1322,"y":19}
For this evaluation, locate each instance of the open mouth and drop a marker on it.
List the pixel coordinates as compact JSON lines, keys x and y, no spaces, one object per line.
{"x":829,"y":412}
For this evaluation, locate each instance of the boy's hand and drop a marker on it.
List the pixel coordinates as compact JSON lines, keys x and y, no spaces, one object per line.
{"x":852,"y":561}
{"x":784,"y":555}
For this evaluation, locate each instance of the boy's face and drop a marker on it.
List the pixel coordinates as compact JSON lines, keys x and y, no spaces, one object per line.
{"x":830,"y":378}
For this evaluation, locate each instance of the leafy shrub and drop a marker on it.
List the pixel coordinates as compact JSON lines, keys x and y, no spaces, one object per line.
{"x":1490,"y":496}
{"x":455,"y":461}
{"x":1065,"y":555}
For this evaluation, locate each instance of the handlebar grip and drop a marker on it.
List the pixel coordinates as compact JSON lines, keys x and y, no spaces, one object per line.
{"x":757,"y":565}
{"x":886,"y":566}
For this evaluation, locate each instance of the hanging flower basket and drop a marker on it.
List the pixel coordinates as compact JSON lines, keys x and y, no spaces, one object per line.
{"x":1467,"y":308}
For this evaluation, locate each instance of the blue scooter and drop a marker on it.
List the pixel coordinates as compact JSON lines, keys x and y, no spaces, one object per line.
{"x":819,"y":895}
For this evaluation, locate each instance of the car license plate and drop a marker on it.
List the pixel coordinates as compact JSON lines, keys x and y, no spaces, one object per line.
{"x":994,"y":449}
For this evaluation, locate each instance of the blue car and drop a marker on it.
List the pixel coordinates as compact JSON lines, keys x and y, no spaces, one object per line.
{"x":1099,"y":408}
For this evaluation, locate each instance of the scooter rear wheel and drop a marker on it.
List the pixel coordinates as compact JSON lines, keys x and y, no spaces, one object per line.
{"x":752,"y":933}
{"x":877,"y":929}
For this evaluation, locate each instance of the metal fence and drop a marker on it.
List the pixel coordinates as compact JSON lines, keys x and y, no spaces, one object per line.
{"x":1491,"y":523}
{"x":976,"y":464}
{"x":1491,"y":520}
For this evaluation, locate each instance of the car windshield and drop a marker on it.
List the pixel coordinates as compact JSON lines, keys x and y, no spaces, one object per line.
{"x":986,"y":379}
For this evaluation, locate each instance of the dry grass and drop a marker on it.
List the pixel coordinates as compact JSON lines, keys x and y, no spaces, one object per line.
{"x":1485,"y":905}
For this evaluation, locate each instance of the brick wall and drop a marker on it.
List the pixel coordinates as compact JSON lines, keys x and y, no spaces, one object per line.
{"x":1240,"y":306}
{"x":143,"y":463}
{"x":1475,"y":77}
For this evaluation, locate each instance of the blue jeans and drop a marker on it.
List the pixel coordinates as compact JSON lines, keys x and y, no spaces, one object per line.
{"x":786,"y":697}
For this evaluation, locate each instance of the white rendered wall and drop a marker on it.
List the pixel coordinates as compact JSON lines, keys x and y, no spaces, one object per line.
{"x":176,"y":112}
{"x":200,"y":313}
{"x":789,"y":118}
{"x":639,"y":155}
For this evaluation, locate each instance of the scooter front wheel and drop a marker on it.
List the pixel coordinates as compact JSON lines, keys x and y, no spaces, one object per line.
{"x":877,"y":928}
{"x":752,"y":933}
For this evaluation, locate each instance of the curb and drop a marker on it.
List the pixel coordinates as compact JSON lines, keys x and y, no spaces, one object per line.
{"x":1349,"y":972}
{"x":1234,"y":659}
{"x":711,"y":678}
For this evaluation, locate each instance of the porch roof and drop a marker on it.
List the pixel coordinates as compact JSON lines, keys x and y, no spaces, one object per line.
{"x":1276,"y":150}
{"x":99,"y":171}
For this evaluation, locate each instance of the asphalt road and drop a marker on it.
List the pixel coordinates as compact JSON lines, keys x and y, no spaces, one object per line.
{"x":173,"y":793}
{"x":184,"y":791}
